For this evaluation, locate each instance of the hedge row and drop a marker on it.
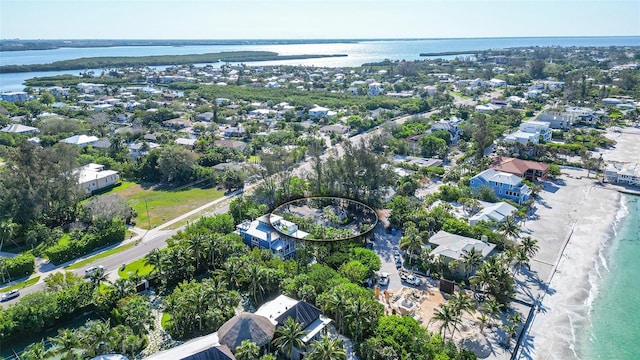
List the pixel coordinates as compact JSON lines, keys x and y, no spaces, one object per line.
{"x":19,"y":266}
{"x":96,"y":236}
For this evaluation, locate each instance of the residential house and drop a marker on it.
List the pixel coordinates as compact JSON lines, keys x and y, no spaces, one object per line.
{"x":375,"y":89}
{"x":531,"y":131}
{"x":80,"y":140}
{"x":449,"y":125}
{"x":205,"y":116}
{"x":451,"y":247}
{"x":318,"y":112}
{"x":14,"y":96}
{"x":92,"y":177}
{"x":497,"y":83}
{"x":231,"y":144}
{"x":141,"y":148}
{"x":308,"y":316}
{"x":418,"y":161}
{"x":557,"y":120}
{"x":178,"y":123}
{"x":503,"y":185}
{"x":623,"y":173}
{"x":336,"y":129}
{"x":206,"y":347}
{"x":262,"y":233}
{"x":413,"y":142}
{"x":493,"y":212}
{"x":530,"y":170}
{"x":20,"y":129}
{"x":484,"y":108}
{"x":187,"y":143}
{"x":233,"y":131}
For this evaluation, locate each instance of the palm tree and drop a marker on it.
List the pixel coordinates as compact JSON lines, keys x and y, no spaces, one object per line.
{"x":529,"y":246}
{"x":98,"y":277}
{"x":289,"y":336}
{"x":247,"y":350}
{"x":155,"y":259}
{"x":35,"y":351}
{"x":471,"y":259}
{"x":521,"y":259}
{"x":255,"y":275}
{"x":232,"y":272}
{"x":97,"y":333}
{"x":460,"y":302}
{"x":327,"y":348}
{"x":511,"y":330}
{"x":493,"y":308}
{"x":196,"y":243}
{"x":411,"y":241}
{"x":447,"y":317}
{"x":65,"y":344}
{"x":361,"y":314}
{"x":510,"y":227}
{"x":484,"y":320}
{"x":337,"y":304}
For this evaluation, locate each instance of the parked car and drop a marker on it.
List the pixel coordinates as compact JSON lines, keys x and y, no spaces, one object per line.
{"x":10,"y":295}
{"x":398,"y":263}
{"x":88,"y":272}
{"x":403,"y":276}
{"x":384,"y":279}
{"x":412,"y":280}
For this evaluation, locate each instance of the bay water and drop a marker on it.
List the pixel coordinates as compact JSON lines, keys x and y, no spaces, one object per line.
{"x":358,"y":53}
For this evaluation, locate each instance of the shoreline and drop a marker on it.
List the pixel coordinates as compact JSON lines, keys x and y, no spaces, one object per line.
{"x":566,"y":276}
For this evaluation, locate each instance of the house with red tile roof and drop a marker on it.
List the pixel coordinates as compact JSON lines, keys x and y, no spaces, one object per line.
{"x":530,"y":170}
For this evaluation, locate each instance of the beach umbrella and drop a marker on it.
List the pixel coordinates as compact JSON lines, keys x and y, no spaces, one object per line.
{"x":246,"y":326}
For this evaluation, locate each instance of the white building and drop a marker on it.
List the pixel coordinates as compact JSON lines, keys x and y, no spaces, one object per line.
{"x":92,"y":177}
{"x":621,"y":173}
{"x":80,"y":140}
{"x":492,"y":211}
{"x":531,"y":131}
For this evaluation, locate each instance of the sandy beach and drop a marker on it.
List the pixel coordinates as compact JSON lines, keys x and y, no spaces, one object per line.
{"x":574,"y":219}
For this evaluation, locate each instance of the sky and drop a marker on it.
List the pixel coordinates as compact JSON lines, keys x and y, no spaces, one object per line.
{"x":312,"y":19}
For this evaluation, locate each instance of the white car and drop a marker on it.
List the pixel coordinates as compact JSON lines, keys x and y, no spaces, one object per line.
{"x":384,"y":279}
{"x":90,"y":271}
{"x":10,"y":295}
{"x":412,"y":280}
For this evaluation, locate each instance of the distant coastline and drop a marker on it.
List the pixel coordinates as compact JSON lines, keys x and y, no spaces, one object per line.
{"x":158,"y":60}
{"x":35,"y":44}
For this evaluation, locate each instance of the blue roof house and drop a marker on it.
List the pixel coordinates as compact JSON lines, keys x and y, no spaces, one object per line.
{"x":504,"y":185}
{"x":261,"y":233}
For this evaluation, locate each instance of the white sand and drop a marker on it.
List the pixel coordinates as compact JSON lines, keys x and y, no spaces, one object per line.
{"x":582,"y":214}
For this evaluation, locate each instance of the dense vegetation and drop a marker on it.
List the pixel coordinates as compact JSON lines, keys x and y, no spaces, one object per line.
{"x":158,"y":60}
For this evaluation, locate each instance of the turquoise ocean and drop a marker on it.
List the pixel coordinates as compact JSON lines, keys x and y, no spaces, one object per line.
{"x":614,"y":317}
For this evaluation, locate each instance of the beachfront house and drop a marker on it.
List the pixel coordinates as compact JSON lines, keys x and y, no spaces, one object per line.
{"x":529,"y":170}
{"x":308,"y":316}
{"x":503,"y":185}
{"x":623,"y":173}
{"x":450,"y":247}
{"x":262,"y":233}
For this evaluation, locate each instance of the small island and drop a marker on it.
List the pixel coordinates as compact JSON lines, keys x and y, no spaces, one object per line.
{"x":159,"y":60}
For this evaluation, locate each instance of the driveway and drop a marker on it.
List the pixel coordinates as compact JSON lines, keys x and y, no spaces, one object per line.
{"x":384,"y":245}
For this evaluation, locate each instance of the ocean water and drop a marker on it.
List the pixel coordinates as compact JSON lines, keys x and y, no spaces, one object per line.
{"x":357,"y":53}
{"x":614,"y":316}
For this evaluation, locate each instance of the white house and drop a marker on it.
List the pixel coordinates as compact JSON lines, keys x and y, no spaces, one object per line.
{"x":318,"y":111}
{"x":628,"y":173}
{"x":531,"y":131}
{"x":92,"y":177}
{"x":497,"y":83}
{"x":451,"y":247}
{"x":20,"y":129}
{"x":493,"y":211}
{"x":80,"y":140}
{"x":308,"y":316}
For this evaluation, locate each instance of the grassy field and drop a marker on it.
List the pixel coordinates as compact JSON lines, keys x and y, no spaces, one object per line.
{"x":139,"y":266}
{"x":163,"y":204}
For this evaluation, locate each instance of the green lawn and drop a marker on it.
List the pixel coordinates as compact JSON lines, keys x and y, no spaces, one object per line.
{"x":139,"y":266}
{"x":99,"y":256}
{"x":21,"y":285}
{"x":163,"y":205}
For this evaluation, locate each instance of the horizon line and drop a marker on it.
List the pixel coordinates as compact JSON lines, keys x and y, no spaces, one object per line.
{"x":323,"y":39}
